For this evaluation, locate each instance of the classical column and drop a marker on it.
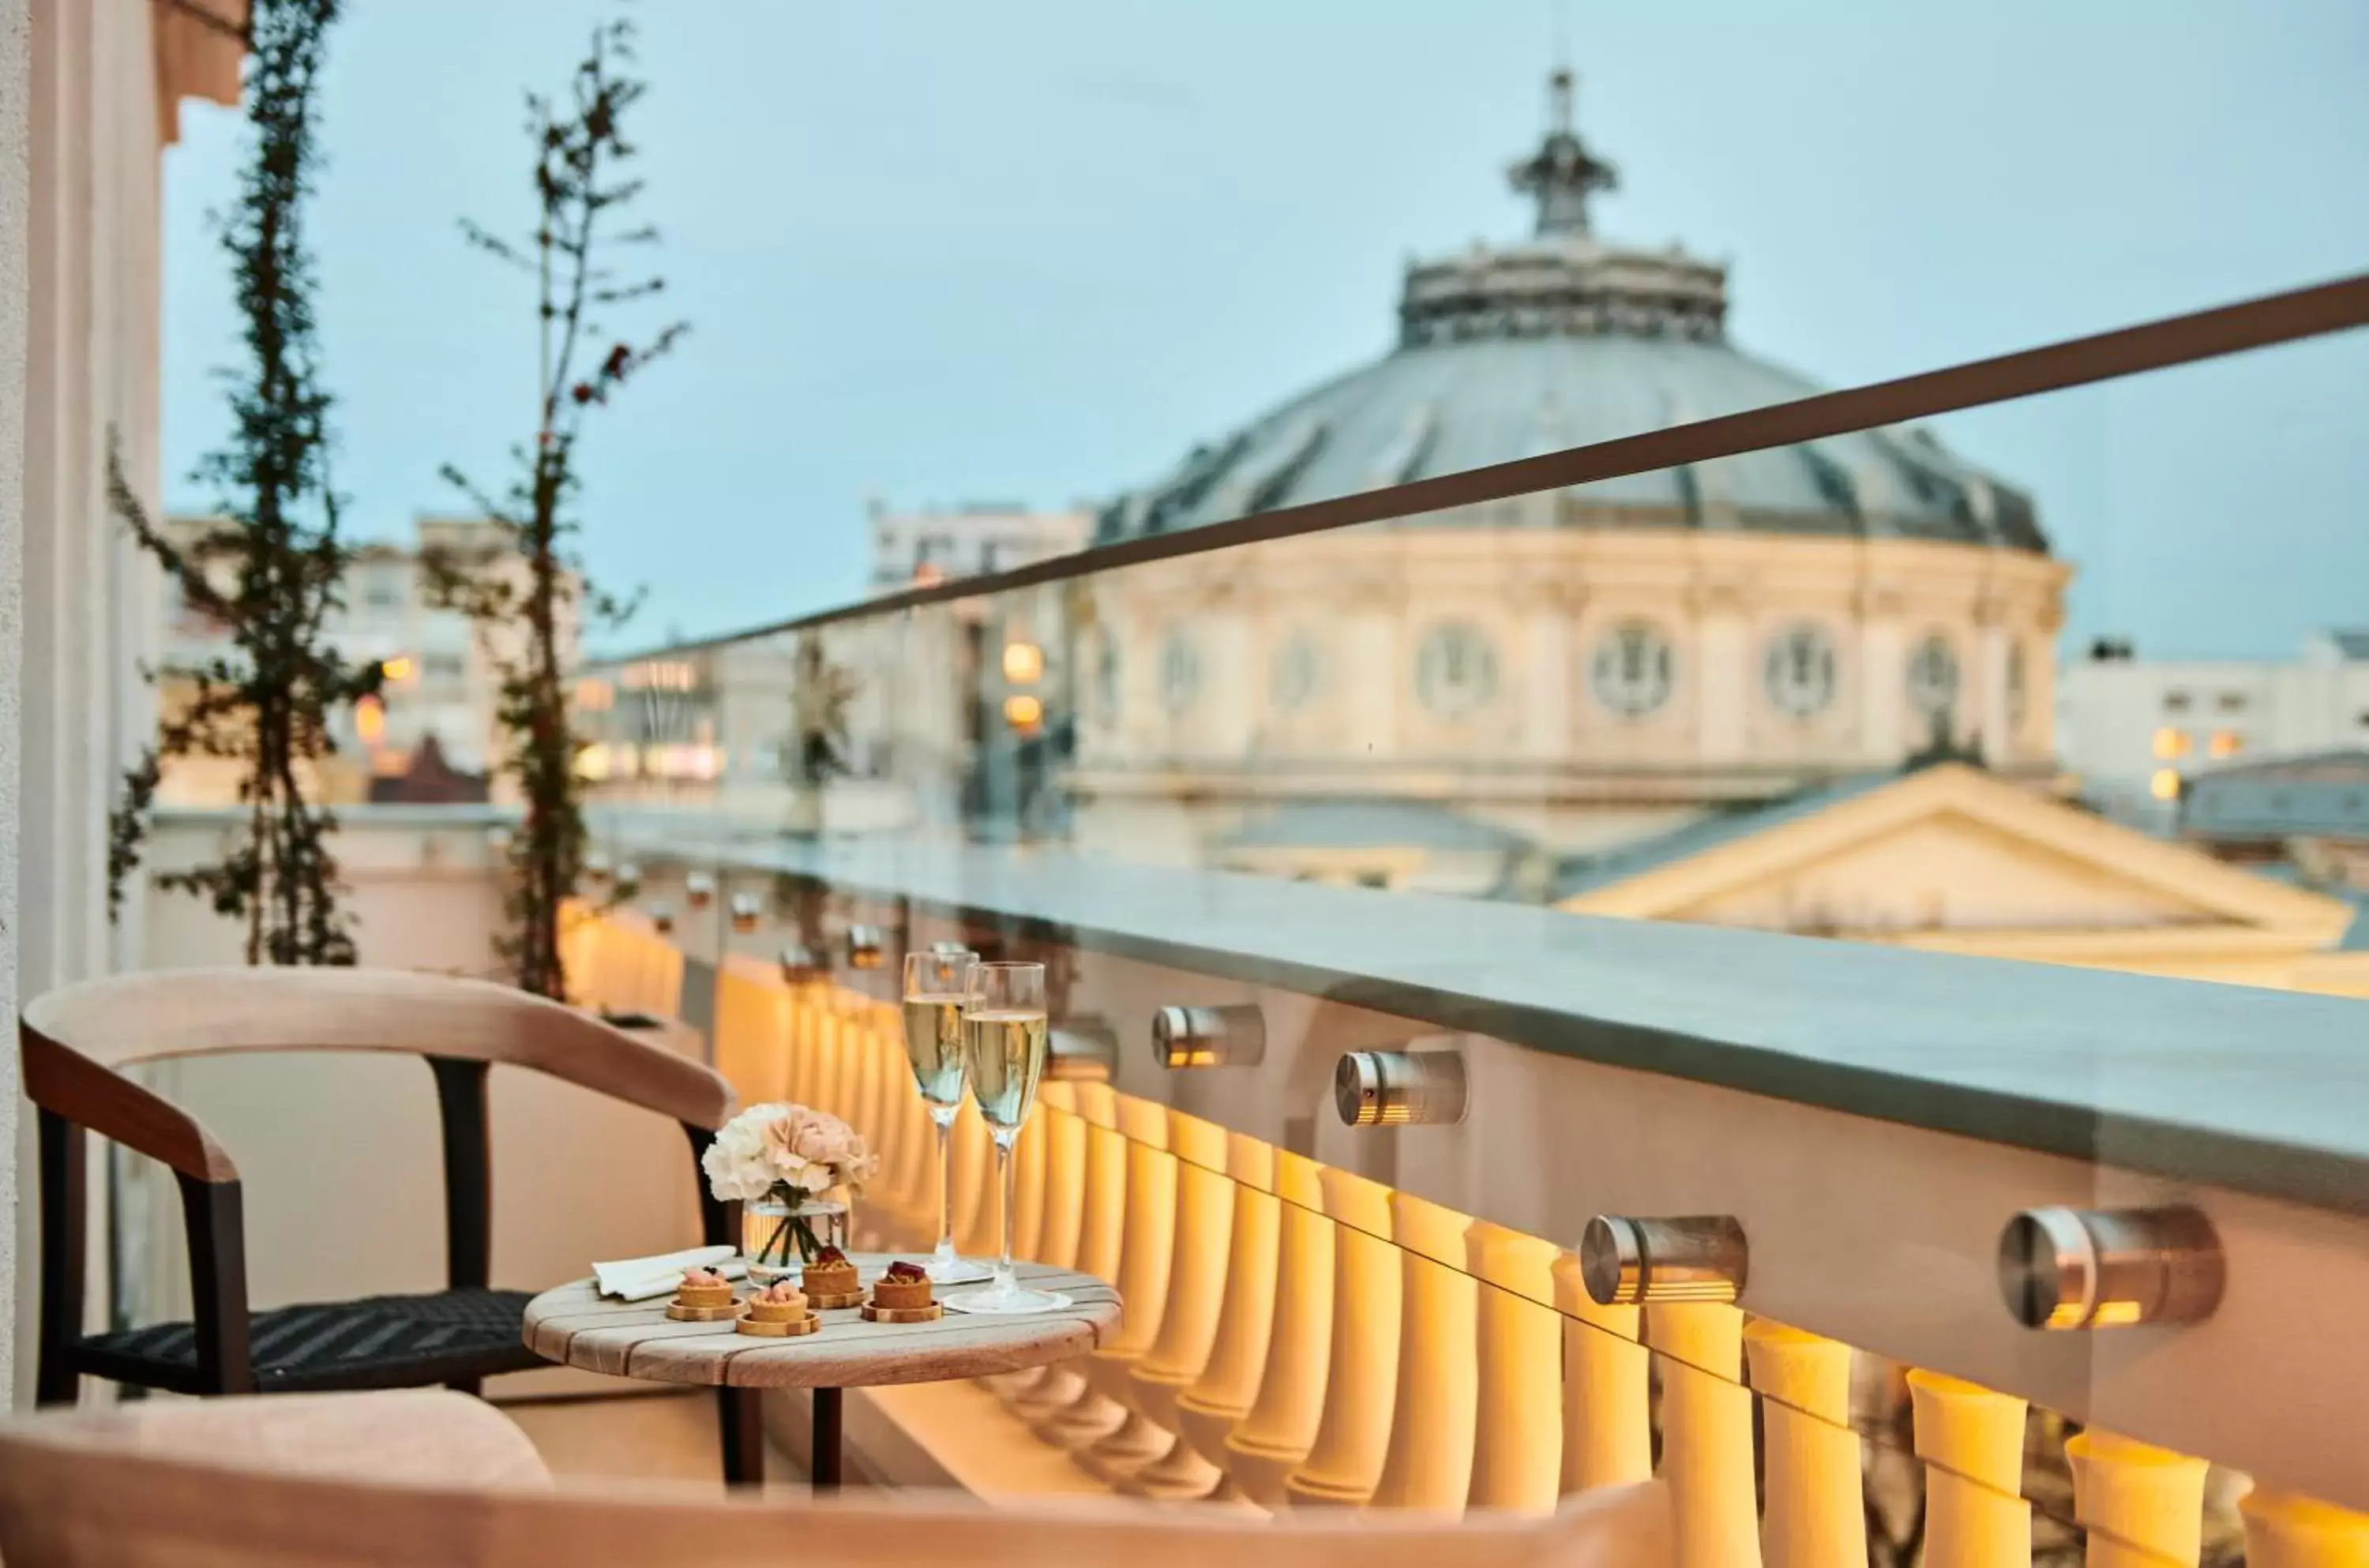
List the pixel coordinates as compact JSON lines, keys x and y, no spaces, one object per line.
{"x":1370,"y":628}
{"x":867,"y":1103}
{"x":2143,"y":1506}
{"x":1028,"y":1185}
{"x":2284,"y":1531}
{"x":1814,"y":1516}
{"x":805,"y":1064}
{"x":1607,"y":1434}
{"x":880,"y":1101}
{"x":1361,"y":1385}
{"x":1228,"y":1383}
{"x":1726,"y":670}
{"x":735,"y":1037}
{"x":1273,"y":1439}
{"x":776,"y":1025}
{"x":1188,"y":1327}
{"x":1051,"y":1225}
{"x":1146,"y":1256}
{"x":1971,"y":1442}
{"x":1545,"y":617}
{"x":1706,"y":1431}
{"x":1064,"y":1410}
{"x":829,"y":1074}
{"x":974,"y":1197}
{"x":1517,"y":1435}
{"x":1225,"y":719}
{"x":1063,"y":1209}
{"x":1429,"y":1465}
{"x":911,"y":1165}
{"x":664,"y":996}
{"x":1989,"y":661}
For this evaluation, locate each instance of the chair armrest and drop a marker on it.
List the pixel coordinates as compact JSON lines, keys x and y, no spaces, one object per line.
{"x":641,"y":1067}
{"x":415,"y":1435}
{"x":108,"y":1104}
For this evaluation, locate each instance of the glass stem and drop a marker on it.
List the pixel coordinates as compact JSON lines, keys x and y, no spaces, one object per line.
{"x":1006,"y":1279}
{"x":946,"y":1125}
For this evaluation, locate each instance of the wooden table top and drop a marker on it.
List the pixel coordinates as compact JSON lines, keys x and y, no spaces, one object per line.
{"x":576,"y":1326}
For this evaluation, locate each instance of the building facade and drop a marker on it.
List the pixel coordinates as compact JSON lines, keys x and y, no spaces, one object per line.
{"x":443,"y":677}
{"x":2134,"y":730}
{"x":967,"y":540}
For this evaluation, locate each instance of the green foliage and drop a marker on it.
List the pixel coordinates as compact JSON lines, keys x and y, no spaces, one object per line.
{"x":268,"y":569}
{"x":528,"y":593}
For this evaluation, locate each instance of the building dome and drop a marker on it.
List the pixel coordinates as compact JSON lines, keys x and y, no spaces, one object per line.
{"x":1561,"y":340}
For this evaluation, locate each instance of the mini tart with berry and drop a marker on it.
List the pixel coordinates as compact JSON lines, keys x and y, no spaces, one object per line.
{"x":780,"y":1302}
{"x":702,"y":1287}
{"x":903,"y":1288}
{"x":829,"y":1273}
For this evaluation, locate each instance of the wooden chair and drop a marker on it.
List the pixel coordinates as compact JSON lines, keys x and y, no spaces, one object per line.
{"x":75,"y":1040}
{"x":370,"y":1480}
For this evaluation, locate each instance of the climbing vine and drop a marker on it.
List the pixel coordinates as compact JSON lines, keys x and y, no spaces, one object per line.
{"x":526,"y":591}
{"x":266,"y":569}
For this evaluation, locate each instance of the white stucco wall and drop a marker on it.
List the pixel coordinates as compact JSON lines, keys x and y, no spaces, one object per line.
{"x":85,"y":87}
{"x":16,"y":198}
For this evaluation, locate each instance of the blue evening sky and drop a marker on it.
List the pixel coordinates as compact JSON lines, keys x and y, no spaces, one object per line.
{"x":943,"y":250}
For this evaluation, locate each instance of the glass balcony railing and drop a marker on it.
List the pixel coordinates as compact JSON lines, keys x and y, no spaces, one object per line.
{"x":1585,"y":969}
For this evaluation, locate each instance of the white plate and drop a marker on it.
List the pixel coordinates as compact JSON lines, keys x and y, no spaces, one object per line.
{"x":976,"y":1304}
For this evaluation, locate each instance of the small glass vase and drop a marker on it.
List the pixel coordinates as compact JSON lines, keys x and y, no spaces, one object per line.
{"x":781,"y":1232}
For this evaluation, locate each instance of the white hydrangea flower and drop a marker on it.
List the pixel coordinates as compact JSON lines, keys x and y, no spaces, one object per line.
{"x":736,"y":1163}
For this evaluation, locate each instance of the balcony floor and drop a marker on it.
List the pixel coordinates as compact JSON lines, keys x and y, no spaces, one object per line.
{"x":661,"y":1437}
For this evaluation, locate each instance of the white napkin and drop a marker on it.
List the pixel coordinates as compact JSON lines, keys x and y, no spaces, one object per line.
{"x":638,"y":1279}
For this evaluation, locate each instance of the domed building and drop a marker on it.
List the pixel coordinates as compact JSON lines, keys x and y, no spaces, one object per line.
{"x":1446,"y":700}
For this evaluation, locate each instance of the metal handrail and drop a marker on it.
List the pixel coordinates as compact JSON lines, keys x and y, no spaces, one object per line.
{"x":2290,"y":316}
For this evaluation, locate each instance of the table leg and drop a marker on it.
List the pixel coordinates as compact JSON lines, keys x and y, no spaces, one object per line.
{"x":740,"y":1415}
{"x":823,"y":1463}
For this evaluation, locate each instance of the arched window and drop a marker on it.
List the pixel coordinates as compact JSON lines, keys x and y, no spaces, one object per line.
{"x":1298,"y":669}
{"x":1933,"y":677}
{"x":1630,"y":670}
{"x":1456,"y":670}
{"x":1798,"y":671}
{"x":1180,"y":673}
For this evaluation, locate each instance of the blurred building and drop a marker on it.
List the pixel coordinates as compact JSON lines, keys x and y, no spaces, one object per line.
{"x":2304,"y":819}
{"x":968,"y":540}
{"x":1951,"y":858}
{"x":2134,"y":730}
{"x":436,"y":726}
{"x":1428,"y":700}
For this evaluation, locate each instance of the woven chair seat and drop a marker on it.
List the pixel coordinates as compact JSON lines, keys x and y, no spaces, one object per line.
{"x":378,"y":1342}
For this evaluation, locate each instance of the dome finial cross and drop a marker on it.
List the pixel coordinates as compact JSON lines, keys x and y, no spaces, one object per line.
{"x":1562,"y":173}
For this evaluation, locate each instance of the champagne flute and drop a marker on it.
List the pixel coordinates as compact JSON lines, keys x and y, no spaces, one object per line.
{"x":1004,"y":1029}
{"x":935,"y":985}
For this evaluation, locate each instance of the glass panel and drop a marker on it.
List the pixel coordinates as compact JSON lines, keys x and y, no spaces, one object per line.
{"x":1837,"y":691}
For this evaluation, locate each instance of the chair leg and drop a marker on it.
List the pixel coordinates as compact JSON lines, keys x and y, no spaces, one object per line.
{"x":64,"y":1217}
{"x":55,"y":1382}
{"x":740,"y":1414}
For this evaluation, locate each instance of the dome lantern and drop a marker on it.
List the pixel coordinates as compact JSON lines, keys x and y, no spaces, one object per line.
{"x":1562,"y":173}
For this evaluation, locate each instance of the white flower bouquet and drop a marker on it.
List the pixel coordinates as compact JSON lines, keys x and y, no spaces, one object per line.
{"x":792,"y":1154}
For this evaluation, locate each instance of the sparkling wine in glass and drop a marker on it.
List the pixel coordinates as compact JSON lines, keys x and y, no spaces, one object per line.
{"x":936,"y":987}
{"x":1003,"y":1032}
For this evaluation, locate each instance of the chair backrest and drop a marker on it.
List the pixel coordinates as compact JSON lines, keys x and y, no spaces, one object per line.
{"x":74,"y":1038}
{"x":78,"y":1491}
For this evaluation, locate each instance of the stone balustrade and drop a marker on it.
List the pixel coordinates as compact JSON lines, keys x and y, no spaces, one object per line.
{"x":1298,"y":1335}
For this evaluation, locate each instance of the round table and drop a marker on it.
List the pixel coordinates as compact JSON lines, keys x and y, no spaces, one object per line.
{"x":575,"y":1326}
